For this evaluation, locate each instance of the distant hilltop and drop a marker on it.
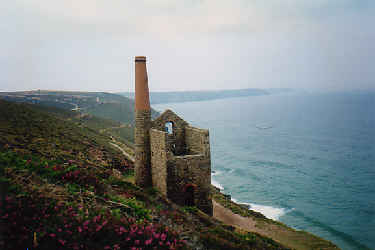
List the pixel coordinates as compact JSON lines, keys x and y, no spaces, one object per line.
{"x":196,"y":96}
{"x":101,"y":104}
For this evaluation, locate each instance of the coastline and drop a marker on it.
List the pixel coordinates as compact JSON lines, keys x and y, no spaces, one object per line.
{"x":273,"y":213}
{"x":245,"y":219}
{"x":294,"y":155}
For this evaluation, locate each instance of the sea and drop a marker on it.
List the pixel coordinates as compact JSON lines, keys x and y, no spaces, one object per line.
{"x":304,"y":159}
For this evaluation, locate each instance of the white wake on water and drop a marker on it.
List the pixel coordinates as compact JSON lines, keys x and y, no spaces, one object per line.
{"x":270,"y":212}
{"x":217,"y":184}
{"x":273,"y":213}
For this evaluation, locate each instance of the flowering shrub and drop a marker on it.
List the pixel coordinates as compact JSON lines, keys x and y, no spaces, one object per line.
{"x":36,"y":222}
{"x":84,"y":176}
{"x":47,"y":224}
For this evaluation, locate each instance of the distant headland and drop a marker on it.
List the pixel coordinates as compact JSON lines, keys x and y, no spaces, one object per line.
{"x":196,"y":96}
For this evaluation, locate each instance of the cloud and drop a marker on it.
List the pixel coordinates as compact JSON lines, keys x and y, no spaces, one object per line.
{"x":170,"y":17}
{"x":196,"y":44}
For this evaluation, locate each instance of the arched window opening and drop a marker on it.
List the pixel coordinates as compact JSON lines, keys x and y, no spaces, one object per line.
{"x":169,"y":127}
{"x":189,"y":196}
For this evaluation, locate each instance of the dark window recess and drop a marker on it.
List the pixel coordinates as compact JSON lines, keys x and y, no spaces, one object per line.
{"x":189,"y":196}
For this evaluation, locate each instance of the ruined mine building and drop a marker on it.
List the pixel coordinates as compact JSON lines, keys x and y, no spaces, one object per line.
{"x":170,"y":155}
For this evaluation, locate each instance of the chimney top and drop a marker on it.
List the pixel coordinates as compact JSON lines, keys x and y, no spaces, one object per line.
{"x":140,"y":59}
{"x":142,"y":99}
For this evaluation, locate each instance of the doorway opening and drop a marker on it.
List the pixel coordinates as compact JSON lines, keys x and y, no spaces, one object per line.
{"x":189,"y":195}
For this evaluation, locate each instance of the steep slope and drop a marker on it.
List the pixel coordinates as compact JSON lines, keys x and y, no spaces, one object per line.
{"x":64,"y":187}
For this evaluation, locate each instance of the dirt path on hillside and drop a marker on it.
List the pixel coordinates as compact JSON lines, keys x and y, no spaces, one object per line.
{"x":130,"y":157}
{"x":286,"y":236}
{"x":228,"y":217}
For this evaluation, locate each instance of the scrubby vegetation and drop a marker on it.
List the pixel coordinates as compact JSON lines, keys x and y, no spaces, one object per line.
{"x":80,"y":210}
{"x":62,"y":186}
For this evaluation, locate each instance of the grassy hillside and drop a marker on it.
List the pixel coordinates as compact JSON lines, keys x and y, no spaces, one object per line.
{"x":62,"y":186}
{"x":121,"y":112}
{"x":35,"y":130}
{"x":100,"y":104}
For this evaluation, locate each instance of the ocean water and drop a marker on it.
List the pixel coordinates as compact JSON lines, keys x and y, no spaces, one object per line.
{"x":307,"y":160}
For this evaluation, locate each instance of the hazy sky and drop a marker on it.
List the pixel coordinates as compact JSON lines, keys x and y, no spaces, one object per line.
{"x":90,"y":45}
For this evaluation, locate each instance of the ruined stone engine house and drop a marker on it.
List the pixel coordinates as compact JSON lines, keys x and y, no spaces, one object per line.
{"x":170,"y":155}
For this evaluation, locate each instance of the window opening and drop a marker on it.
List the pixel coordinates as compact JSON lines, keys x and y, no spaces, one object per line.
{"x":169,"y":127}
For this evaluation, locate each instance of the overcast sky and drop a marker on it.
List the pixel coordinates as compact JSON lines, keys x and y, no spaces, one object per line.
{"x":90,"y":45}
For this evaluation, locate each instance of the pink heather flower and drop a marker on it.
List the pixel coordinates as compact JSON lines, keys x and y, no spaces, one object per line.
{"x":52,"y":235}
{"x":59,"y":229}
{"x":104,"y":223}
{"x":148,"y":242}
{"x":116,"y":246}
{"x":136,"y":242}
{"x":62,"y":242}
{"x":98,"y":228}
{"x":79,"y":229}
{"x":156,"y":235}
{"x":107,"y":247}
{"x":163,"y":236}
{"x":86,"y":223}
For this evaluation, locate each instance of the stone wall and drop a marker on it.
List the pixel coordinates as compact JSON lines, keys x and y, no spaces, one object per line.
{"x":159,"y":149}
{"x":180,"y":160}
{"x":178,"y":136}
{"x":197,"y":141}
{"x":192,"y":170}
{"x":142,"y":148}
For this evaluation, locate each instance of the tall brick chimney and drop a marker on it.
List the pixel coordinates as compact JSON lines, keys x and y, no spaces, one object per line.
{"x":142,"y":125}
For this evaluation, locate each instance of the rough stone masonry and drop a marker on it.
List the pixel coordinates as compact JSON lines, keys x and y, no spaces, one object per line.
{"x":170,"y":155}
